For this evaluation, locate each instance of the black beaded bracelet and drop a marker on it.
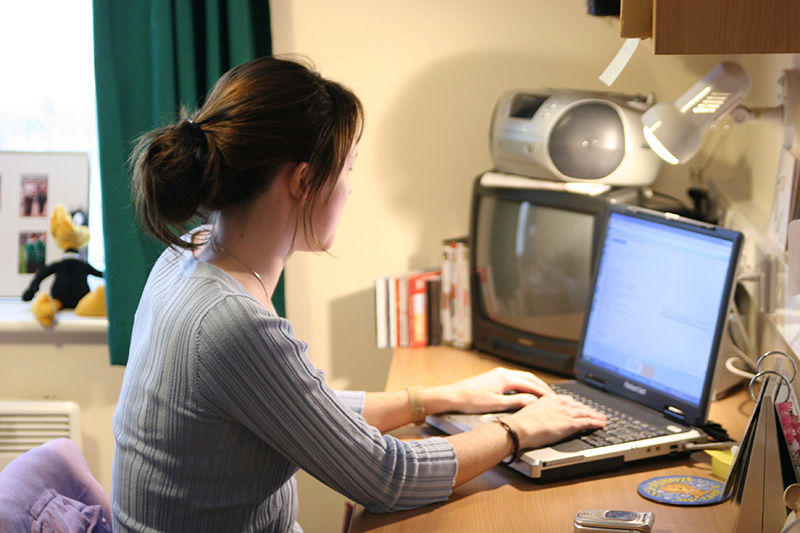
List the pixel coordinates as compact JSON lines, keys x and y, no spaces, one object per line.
{"x":514,"y":440}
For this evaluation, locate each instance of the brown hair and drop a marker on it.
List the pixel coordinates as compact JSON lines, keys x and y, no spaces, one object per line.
{"x":259,"y":117}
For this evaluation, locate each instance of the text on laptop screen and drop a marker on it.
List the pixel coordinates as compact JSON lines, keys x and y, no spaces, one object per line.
{"x":656,"y":304}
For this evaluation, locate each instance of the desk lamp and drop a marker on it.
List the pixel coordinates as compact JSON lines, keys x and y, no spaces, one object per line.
{"x":675,"y":130}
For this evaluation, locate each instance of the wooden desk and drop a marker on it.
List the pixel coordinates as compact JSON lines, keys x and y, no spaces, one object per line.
{"x":504,"y":501}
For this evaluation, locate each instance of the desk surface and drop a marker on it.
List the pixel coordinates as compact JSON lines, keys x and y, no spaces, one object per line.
{"x":503,"y":500}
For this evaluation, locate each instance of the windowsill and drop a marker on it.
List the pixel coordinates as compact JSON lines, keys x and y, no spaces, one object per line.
{"x":18,"y":325}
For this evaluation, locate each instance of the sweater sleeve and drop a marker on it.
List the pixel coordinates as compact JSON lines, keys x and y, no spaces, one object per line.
{"x":252,"y":368}
{"x":352,"y":399}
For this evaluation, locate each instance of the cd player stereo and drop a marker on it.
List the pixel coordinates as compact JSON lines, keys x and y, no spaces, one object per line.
{"x":573,"y":135}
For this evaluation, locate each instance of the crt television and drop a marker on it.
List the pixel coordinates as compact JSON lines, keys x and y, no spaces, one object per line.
{"x":533,"y":246}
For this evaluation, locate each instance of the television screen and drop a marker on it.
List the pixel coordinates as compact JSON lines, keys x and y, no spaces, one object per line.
{"x":534,"y":265}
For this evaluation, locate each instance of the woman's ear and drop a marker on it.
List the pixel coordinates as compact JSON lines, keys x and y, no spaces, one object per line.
{"x":298,"y":177}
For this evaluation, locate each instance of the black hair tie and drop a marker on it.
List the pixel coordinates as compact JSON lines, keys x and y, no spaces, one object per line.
{"x":196,"y":129}
{"x":199,"y":137}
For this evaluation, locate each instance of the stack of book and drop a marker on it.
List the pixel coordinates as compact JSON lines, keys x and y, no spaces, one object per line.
{"x":427,"y":307}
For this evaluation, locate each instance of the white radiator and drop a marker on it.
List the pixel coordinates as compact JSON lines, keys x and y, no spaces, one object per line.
{"x":25,"y":424}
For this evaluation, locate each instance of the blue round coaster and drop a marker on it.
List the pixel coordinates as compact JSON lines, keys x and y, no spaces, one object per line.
{"x":682,"y":490}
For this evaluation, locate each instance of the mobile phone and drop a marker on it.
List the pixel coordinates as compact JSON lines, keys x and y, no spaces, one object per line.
{"x":612,"y":521}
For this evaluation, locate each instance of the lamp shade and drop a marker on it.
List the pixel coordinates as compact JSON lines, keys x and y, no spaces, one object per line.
{"x":675,"y":129}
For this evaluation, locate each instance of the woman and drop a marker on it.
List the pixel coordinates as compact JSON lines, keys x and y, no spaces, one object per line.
{"x":220,"y":404}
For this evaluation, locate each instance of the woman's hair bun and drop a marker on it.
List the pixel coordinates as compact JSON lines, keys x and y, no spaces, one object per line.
{"x":173,"y":182}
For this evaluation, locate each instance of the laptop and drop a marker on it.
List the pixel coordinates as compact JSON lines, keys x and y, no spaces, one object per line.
{"x":659,"y":301}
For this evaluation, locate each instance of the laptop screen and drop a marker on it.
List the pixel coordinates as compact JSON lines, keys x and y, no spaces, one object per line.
{"x":658,"y":307}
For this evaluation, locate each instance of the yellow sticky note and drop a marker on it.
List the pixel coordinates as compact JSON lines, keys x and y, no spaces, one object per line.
{"x":720,"y":462}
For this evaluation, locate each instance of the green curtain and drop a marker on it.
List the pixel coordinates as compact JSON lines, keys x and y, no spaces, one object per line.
{"x":151,"y":58}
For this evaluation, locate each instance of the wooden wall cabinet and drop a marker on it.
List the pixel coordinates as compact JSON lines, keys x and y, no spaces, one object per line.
{"x":714,"y":26}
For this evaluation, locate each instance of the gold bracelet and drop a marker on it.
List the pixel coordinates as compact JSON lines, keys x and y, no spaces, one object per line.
{"x":418,"y":411}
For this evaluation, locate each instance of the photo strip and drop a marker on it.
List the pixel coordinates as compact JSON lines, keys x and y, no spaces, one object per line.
{"x":30,"y":184}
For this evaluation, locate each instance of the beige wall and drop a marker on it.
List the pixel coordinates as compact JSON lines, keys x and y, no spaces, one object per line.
{"x":429,"y":73}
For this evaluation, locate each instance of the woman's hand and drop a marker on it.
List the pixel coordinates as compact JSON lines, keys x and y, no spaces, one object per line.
{"x":546,"y":420}
{"x":497,"y":390}
{"x":552,"y":418}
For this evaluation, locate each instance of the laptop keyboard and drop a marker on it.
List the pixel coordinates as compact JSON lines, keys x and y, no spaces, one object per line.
{"x":619,"y":428}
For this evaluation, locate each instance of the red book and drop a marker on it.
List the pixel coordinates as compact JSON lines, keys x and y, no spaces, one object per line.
{"x":418,"y":307}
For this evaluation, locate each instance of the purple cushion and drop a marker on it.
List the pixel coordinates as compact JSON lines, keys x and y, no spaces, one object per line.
{"x":55,"y":513}
{"x":57,"y":465}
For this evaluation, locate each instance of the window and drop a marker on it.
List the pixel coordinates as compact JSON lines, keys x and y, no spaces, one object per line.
{"x":48,"y":91}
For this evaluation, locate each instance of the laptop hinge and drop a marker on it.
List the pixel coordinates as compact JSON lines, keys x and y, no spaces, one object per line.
{"x":674,"y":413}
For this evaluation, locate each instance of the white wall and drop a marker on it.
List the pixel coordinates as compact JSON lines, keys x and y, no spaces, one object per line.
{"x":429,"y":74}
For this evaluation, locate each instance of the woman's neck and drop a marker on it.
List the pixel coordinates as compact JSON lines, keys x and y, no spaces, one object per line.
{"x":253,"y":242}
{"x":250,"y":250}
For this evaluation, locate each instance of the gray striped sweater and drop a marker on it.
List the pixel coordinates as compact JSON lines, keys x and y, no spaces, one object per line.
{"x":220,"y":406}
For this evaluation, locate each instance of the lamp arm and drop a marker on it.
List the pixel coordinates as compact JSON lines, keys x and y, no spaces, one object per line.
{"x":787,"y":110}
{"x":741,"y":114}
